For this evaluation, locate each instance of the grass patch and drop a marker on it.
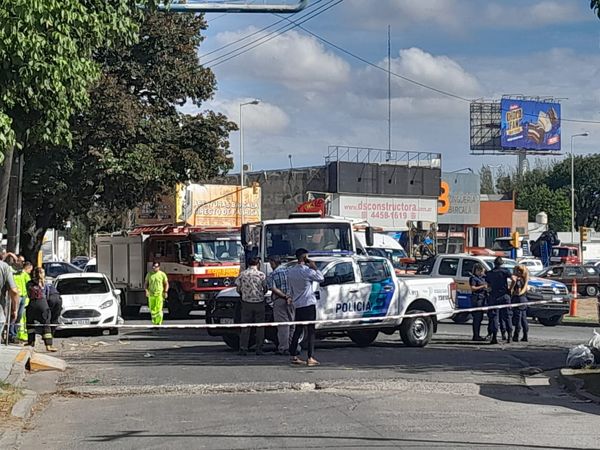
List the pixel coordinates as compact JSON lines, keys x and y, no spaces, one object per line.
{"x":9,"y":395}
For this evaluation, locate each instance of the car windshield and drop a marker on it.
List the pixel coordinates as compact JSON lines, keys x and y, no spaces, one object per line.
{"x":502,"y":244}
{"x":219,"y":250}
{"x":284,"y":239}
{"x":79,"y":286}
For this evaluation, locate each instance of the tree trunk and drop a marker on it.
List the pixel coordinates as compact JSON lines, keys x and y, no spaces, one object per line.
{"x":13,"y":216}
{"x":4,"y":185}
{"x":32,"y":234}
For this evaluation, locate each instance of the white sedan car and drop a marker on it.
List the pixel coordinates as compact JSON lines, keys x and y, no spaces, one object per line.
{"x":534,"y":266}
{"x":88,"y":299}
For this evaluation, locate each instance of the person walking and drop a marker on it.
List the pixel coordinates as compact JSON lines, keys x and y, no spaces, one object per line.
{"x":22,"y":326}
{"x":283,"y":306}
{"x":252,"y":287}
{"x":519,"y":296}
{"x":21,"y":277}
{"x":8,"y":291}
{"x":38,"y":310}
{"x":157,"y":288}
{"x":300,"y":280}
{"x":478,"y":299}
{"x":497,"y":279}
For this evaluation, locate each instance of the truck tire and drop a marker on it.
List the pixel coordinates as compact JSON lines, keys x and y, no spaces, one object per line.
{"x":461,"y":317}
{"x":591,"y":290}
{"x":177,"y":309}
{"x":551,"y":321}
{"x":363,"y":338}
{"x":416,"y":331}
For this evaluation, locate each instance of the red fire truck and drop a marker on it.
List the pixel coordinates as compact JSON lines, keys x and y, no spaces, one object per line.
{"x":199,"y":261}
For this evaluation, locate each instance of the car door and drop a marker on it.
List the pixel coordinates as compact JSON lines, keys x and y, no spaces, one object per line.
{"x":338,"y":293}
{"x":378,"y":296}
{"x":571,"y":273}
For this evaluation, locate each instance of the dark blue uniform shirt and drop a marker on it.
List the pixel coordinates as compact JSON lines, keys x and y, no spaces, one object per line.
{"x":497,"y":279}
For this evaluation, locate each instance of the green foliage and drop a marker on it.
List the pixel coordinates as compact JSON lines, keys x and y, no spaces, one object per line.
{"x":539,"y":197}
{"x":46,"y":49}
{"x":132,"y":143}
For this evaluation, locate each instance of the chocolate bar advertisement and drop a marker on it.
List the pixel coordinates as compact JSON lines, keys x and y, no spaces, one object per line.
{"x":530,"y":125}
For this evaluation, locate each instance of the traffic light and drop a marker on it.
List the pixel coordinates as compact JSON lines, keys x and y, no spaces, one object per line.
{"x":514,"y":240}
{"x":584,"y":233}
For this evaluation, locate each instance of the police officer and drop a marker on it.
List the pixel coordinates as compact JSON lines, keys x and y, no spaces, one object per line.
{"x":519,"y":296}
{"x":497,"y":279}
{"x":478,"y":298}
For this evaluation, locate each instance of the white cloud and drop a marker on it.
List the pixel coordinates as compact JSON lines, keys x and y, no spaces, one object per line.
{"x":294,"y":60}
{"x":527,"y":15}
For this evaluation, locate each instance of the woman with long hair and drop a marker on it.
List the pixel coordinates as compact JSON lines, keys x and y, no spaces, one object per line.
{"x":38,"y":310}
{"x":519,"y":296}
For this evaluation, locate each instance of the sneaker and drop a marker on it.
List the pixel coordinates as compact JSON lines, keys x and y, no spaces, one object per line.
{"x":297,"y":361}
{"x":312,"y":362}
{"x":51,"y":348}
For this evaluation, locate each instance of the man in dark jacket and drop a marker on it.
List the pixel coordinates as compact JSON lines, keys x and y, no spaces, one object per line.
{"x":497,"y":280}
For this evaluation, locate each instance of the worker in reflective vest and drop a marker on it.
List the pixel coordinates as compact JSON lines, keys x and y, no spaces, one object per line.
{"x":157,"y":287}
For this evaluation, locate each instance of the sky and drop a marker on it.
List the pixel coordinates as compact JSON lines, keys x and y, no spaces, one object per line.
{"x":313,"y":95}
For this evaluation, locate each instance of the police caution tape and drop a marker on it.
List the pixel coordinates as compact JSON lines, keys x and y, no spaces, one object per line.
{"x":361,"y":320}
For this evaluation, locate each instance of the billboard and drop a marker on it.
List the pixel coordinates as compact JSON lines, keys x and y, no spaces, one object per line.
{"x":213,"y":205}
{"x":530,"y":125}
{"x":463,"y":198}
{"x":389,"y":213}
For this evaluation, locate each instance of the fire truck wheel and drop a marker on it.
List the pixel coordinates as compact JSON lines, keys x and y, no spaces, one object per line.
{"x":177,"y":310}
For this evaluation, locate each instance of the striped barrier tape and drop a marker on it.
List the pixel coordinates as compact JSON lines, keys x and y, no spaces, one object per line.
{"x":308,"y":322}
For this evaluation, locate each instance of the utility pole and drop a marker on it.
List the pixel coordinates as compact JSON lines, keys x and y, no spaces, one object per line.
{"x":15,"y":195}
{"x":389,"y":49}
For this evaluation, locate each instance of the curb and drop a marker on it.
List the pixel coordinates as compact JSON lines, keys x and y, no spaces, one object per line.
{"x":580,"y":324}
{"x":19,"y":367}
{"x":22,"y":409}
{"x":575,"y":386}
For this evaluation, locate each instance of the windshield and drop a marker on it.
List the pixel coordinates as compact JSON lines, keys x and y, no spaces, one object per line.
{"x":218,"y":250}
{"x":394,"y":255}
{"x":78,"y":286}
{"x":502,"y":244}
{"x":563,"y":252}
{"x":285,"y":239}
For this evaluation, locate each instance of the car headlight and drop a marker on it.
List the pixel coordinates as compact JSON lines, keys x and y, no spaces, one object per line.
{"x":107,"y":304}
{"x":534,"y":290}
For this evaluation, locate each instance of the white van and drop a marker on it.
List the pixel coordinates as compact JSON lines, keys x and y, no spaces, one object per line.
{"x":384,"y":246}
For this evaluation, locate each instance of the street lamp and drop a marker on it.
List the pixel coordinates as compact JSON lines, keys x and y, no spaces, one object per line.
{"x":585,"y":134}
{"x":242,"y":184}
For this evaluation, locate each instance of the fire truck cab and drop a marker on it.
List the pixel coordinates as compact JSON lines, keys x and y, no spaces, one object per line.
{"x":199,"y":262}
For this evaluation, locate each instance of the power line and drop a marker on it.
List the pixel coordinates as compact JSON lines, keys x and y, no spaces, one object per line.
{"x":410,"y":80}
{"x":312,"y":5}
{"x":264,"y":39}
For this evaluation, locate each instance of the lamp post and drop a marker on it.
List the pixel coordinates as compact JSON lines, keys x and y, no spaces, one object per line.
{"x":242,"y":184}
{"x":585,"y":134}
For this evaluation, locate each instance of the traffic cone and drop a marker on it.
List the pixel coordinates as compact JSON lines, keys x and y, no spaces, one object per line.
{"x":573,"y":305}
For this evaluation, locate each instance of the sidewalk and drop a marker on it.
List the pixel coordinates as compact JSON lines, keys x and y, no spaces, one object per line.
{"x":12,"y":363}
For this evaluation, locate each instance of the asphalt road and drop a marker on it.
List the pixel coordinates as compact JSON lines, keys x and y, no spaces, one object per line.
{"x":451,"y":394}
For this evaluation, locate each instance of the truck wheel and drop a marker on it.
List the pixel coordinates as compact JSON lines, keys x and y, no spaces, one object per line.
{"x":416,"y":331}
{"x":591,"y":290}
{"x":363,"y":338}
{"x":232,"y":341}
{"x":550,"y":321}
{"x":461,"y":317}
{"x":177,"y":310}
{"x":113,"y":331}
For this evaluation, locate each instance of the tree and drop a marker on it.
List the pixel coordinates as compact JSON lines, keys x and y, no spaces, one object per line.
{"x":587,"y":187}
{"x":536,"y":198}
{"x":595,"y":5}
{"x":132,"y":143}
{"x":487,"y":180}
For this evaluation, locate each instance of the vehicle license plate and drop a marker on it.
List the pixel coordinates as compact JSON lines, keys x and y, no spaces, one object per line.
{"x":226,"y":320}
{"x":80,"y":322}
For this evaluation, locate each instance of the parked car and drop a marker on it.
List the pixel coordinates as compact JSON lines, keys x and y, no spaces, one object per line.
{"x":534,"y":266}
{"x":80,"y":261}
{"x":588,"y":277}
{"x":91,"y":266}
{"x":88,"y":299}
{"x":460,"y":267}
{"x":356,"y":287}
{"x":54,"y":269}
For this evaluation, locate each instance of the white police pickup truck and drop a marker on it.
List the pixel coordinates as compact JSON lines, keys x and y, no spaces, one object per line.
{"x":358,"y":287}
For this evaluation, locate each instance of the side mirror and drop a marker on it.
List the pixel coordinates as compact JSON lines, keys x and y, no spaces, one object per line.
{"x":117,"y":292}
{"x":245,"y":234}
{"x":369,"y":236}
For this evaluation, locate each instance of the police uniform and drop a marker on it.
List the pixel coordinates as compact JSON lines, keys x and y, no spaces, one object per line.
{"x":478,"y":299}
{"x":520,"y":312}
{"x":497,"y":279}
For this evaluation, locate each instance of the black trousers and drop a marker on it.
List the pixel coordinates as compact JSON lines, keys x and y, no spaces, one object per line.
{"x":477,"y":302}
{"x":500,"y":318}
{"x":302,"y":314}
{"x":55,"y":305}
{"x":520,"y":315}
{"x":38,"y":311}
